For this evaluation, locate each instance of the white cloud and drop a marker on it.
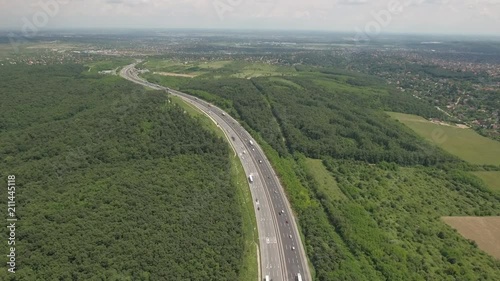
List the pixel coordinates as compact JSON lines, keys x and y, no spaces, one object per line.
{"x":419,"y":16}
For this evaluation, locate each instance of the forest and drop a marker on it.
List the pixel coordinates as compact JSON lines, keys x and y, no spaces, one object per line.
{"x":114,"y":182}
{"x":318,"y":121}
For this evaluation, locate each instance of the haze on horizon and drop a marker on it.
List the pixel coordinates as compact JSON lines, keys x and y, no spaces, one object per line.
{"x":481,"y":17}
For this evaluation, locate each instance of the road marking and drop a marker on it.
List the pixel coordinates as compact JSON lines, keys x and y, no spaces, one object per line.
{"x":271,"y":240}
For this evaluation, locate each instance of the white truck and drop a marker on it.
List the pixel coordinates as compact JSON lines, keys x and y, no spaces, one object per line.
{"x":299,"y":278}
{"x":251,"y":142}
{"x":267,"y":278}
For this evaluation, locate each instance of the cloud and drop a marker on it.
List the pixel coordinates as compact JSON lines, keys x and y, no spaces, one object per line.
{"x":418,"y":16}
{"x":352,"y":2}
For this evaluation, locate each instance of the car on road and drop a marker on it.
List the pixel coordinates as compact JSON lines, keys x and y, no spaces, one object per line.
{"x":290,"y":235}
{"x":260,"y":161}
{"x":293,"y":248}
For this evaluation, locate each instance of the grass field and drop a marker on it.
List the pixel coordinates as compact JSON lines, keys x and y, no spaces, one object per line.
{"x":326,"y":183}
{"x":464,"y":143}
{"x":218,"y":69}
{"x":249,"y":272}
{"x":279,"y":80}
{"x":485,"y":231}
{"x":111,"y":64}
{"x":260,"y":69}
{"x":492,"y":179}
{"x":181,"y":67}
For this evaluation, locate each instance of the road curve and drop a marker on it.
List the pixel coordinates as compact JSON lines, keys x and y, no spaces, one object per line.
{"x":282,"y":255}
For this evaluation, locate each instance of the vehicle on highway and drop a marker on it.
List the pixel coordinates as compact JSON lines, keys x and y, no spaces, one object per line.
{"x":293,"y":248}
{"x":267,"y":278}
{"x":251,"y":142}
{"x":223,"y":114}
{"x":250,"y":178}
{"x":290,"y":235}
{"x":260,"y":161}
{"x":299,"y":278}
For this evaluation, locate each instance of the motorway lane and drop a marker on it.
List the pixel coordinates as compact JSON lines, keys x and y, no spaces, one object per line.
{"x":278,"y":232}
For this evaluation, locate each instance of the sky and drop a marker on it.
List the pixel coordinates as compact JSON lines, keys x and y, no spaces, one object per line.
{"x":359,"y":16}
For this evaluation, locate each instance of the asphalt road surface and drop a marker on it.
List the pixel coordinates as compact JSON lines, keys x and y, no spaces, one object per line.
{"x":282,"y":255}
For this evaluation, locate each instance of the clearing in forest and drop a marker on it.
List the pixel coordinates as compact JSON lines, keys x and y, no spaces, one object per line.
{"x":485,"y":231}
{"x":464,"y":143}
{"x":491,"y":179}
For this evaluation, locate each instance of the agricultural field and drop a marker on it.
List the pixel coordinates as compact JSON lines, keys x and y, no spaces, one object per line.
{"x":260,"y":69}
{"x":190,"y":69}
{"x":491,"y":179}
{"x":464,"y":143}
{"x":216,"y":69}
{"x":485,"y":231}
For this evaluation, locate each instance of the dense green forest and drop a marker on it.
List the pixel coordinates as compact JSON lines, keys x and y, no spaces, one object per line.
{"x":298,"y":115}
{"x":114,"y":182}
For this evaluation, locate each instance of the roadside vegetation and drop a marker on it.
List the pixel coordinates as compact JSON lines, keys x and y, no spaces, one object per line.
{"x":116,"y":182}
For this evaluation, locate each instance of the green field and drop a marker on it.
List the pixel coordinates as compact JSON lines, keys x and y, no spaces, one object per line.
{"x":492,"y":179}
{"x":260,"y":69}
{"x":218,"y":69}
{"x":326,"y":184}
{"x":184,"y":67}
{"x":464,"y":143}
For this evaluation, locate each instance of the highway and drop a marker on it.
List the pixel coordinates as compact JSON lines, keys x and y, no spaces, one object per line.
{"x":282,"y":255}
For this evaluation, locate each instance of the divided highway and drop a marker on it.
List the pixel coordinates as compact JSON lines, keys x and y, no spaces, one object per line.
{"x":282,"y":255}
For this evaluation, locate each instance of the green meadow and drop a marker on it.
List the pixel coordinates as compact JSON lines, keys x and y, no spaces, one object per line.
{"x":491,"y":178}
{"x":464,"y":143}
